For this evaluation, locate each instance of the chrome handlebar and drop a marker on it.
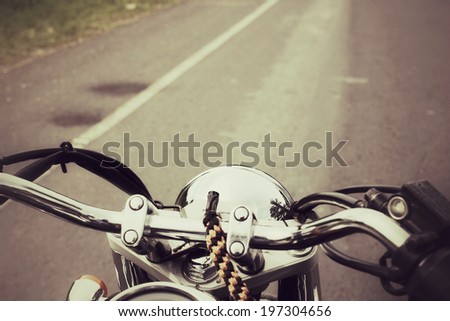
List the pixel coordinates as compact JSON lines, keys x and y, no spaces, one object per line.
{"x":58,"y":205}
{"x":163,"y":224}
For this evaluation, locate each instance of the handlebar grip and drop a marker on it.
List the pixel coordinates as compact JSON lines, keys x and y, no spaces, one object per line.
{"x":431,"y":280}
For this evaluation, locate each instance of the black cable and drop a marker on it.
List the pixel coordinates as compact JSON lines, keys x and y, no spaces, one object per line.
{"x":357,"y":189}
{"x":32,"y":171}
{"x":360,"y":265}
{"x":35,"y":169}
{"x":115,"y":176}
{"x":386,"y":283}
{"x":103,"y":166}
{"x":109,"y":162}
{"x":28,"y":155}
{"x":309,"y":202}
{"x":386,"y":274}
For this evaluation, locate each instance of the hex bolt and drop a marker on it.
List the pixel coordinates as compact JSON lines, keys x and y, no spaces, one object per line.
{"x":136,"y":203}
{"x":130,"y":237}
{"x":237,"y":248}
{"x":241,"y":214}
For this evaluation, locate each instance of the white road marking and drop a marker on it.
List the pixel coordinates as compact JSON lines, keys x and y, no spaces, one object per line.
{"x":147,"y":94}
{"x":353,"y":80}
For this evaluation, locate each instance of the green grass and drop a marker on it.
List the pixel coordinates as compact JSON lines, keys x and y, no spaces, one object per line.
{"x":28,"y":27}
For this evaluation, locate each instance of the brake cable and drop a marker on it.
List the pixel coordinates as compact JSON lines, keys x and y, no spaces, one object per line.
{"x":303,"y":210}
{"x":101,"y":165}
{"x":216,"y":244}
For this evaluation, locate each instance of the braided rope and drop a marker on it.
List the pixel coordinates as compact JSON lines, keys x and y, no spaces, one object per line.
{"x":216,"y":244}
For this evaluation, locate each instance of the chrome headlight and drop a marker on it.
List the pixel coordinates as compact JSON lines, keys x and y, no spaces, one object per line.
{"x":237,"y":186}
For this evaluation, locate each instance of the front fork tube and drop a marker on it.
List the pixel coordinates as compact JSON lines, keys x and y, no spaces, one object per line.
{"x":301,"y":287}
{"x":128,"y":274}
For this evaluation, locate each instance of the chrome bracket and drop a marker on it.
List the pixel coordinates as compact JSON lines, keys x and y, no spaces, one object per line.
{"x":134,"y":217}
{"x":240,"y":232}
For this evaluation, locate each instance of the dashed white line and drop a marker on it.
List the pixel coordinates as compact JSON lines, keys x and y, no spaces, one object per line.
{"x":353,"y":80}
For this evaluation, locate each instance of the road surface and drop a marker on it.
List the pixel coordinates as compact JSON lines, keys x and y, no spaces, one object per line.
{"x":373,"y":73}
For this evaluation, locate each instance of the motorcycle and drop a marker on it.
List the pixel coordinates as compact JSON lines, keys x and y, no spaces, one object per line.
{"x":235,"y":233}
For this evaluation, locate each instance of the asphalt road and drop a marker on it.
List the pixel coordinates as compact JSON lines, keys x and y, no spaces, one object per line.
{"x":374,"y":73}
